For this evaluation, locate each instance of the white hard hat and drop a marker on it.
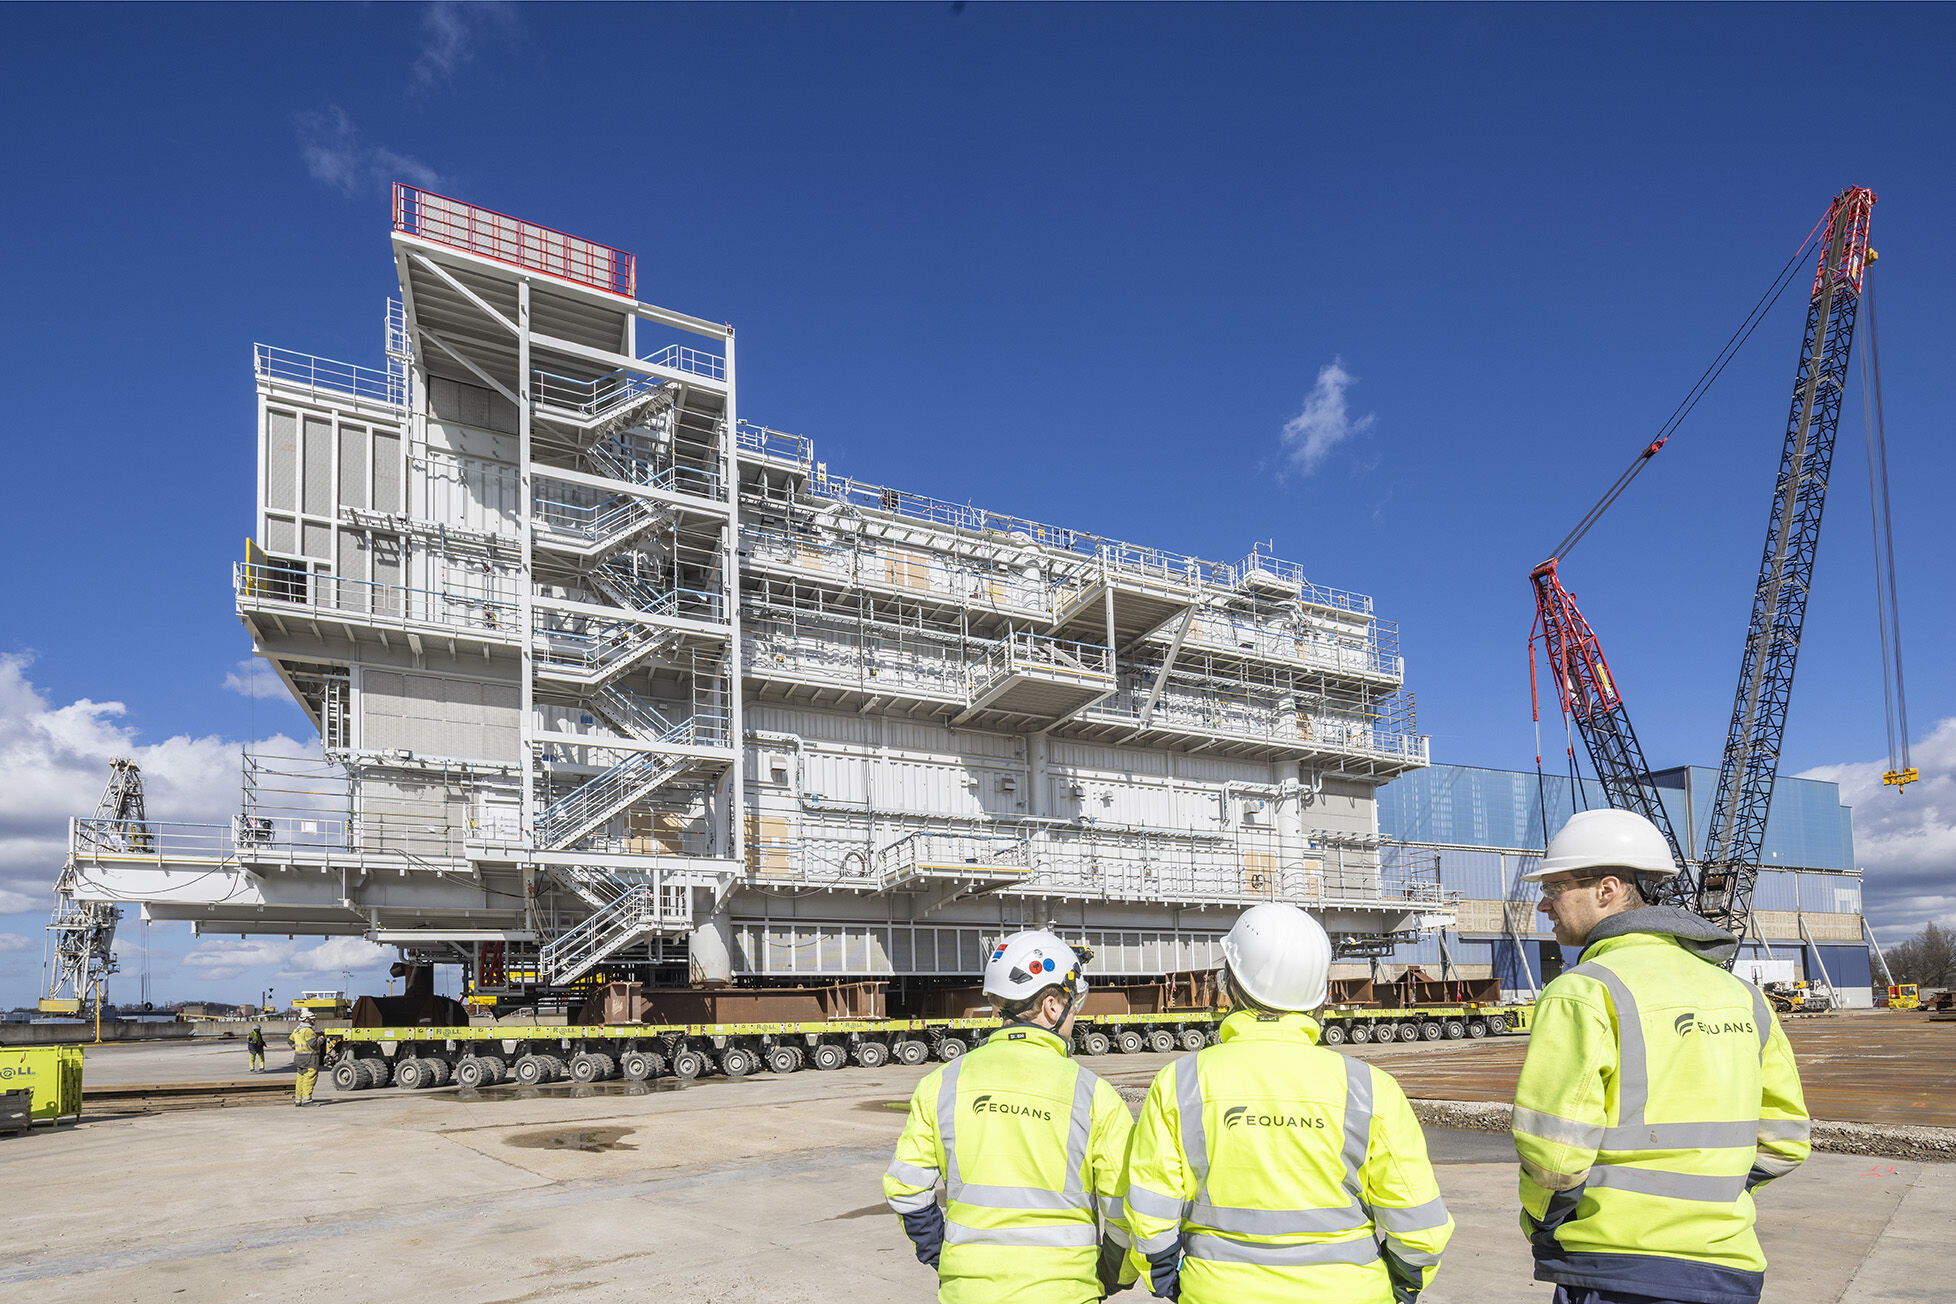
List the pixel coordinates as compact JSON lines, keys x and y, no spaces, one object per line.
{"x":1025,"y":964}
{"x":1280,"y":957}
{"x":305,"y":1016}
{"x":1606,"y":839}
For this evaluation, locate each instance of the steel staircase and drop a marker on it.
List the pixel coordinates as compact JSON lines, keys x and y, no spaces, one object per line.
{"x":612,"y":525}
{"x":591,"y":660}
{"x":625,"y":913}
{"x":625,"y":585}
{"x":605,"y":796}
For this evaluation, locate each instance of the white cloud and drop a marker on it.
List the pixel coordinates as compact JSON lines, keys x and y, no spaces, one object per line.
{"x":1325,"y":421}
{"x":15,"y":944}
{"x":340,"y":954}
{"x":56,"y":763}
{"x":254,"y":678}
{"x":450,"y":33}
{"x":1906,"y":842}
{"x":337,"y":156}
{"x":220,"y":958}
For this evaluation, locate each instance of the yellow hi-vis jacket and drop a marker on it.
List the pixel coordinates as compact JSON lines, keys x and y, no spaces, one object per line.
{"x":1658,"y":1091}
{"x":1029,"y":1145}
{"x":1269,"y":1168}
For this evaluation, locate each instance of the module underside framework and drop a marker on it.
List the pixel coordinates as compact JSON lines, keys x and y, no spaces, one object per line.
{"x":610,"y":682}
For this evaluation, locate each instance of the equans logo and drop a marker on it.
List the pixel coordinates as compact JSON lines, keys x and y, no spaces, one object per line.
{"x":986,"y":1105}
{"x":1240,"y":1115}
{"x":1689,"y":1022}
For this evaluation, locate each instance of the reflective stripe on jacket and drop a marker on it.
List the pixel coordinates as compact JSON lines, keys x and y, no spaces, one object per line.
{"x":1029,"y":1145}
{"x":305,"y":1047}
{"x":1657,"y":1092}
{"x":1282,"y":1170}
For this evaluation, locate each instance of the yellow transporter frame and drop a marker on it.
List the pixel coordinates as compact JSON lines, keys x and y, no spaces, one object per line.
{"x":590,"y":1052}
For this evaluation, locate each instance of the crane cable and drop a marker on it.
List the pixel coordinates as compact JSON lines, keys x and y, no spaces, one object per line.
{"x":1786,"y":277}
{"x":1888,"y":613}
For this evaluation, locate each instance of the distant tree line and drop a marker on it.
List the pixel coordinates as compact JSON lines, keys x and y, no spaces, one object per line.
{"x":1927,"y":959}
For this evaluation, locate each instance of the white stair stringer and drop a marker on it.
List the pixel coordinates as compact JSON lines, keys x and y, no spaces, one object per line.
{"x":625,"y":644}
{"x":640,"y":911}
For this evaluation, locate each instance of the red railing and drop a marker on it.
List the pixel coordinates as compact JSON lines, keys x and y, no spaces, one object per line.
{"x":509,"y":240}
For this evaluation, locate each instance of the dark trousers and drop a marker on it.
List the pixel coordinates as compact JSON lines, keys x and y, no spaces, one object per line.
{"x":1584,"y":1295}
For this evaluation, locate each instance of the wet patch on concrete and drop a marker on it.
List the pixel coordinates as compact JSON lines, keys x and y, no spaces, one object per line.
{"x":883,"y":1106}
{"x":591,"y":1140}
{"x":559,"y":1091}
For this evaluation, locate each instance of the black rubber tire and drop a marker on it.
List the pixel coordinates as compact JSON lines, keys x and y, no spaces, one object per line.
{"x":1385,"y":1033}
{"x":1096,"y":1043}
{"x":1161,"y":1041}
{"x":640,"y":1065}
{"x":1212,"y":1037}
{"x":1129,"y":1042}
{"x":1359,"y":1034}
{"x":498,"y":1068}
{"x":1193,"y":1039}
{"x":687,"y":1064}
{"x":1476,"y":1029}
{"x":379,"y":1072}
{"x":1432,"y":1030}
{"x":1334,"y":1034}
{"x":827,"y":1056}
{"x":444,"y":1071}
{"x":1409,"y":1031}
{"x":412,"y":1074}
{"x":472,"y":1073}
{"x":559,"y":1067}
{"x":586,"y":1068}
{"x":783,"y":1059}
{"x":1456,"y":1029}
{"x":949,"y":1048}
{"x":532,"y":1070}
{"x":738,"y":1061}
{"x":912,"y":1052}
{"x":871,"y":1054}
{"x":347,"y":1075}
{"x":1497,"y":1025}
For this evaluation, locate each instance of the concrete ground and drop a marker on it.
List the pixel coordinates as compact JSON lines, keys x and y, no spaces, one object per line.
{"x":756,"y":1191}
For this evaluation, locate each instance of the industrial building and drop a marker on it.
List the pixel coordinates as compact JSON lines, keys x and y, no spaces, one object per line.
{"x":1479,"y":829}
{"x":613,"y":682}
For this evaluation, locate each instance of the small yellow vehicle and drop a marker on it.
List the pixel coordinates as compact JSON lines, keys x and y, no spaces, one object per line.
{"x":1904,"y":996}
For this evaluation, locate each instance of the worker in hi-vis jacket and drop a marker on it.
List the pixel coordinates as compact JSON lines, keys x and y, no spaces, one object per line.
{"x":1028,"y":1144}
{"x":1659,"y":1091}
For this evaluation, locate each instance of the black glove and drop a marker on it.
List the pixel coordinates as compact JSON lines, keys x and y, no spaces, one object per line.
{"x":1112,"y":1257}
{"x":1165,"y":1272}
{"x":925,"y":1228}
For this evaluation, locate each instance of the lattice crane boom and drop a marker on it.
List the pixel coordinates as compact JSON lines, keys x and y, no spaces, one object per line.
{"x":1772,"y":643}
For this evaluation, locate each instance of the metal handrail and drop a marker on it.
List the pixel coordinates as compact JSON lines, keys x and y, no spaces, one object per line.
{"x":263,"y":584}
{"x":316,"y":375}
{"x":505,"y":239}
{"x":1021,"y":650}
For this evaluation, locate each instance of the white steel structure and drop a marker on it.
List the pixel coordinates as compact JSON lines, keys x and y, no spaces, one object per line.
{"x":610,"y":681}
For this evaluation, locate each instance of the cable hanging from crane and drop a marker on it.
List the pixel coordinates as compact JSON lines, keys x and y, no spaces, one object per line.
{"x":1888,"y":611}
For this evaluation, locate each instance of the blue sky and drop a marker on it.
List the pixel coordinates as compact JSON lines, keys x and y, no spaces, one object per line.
{"x":1080,"y":263}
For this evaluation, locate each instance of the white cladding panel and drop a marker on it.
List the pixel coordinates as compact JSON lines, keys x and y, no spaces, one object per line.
{"x":436,"y":715}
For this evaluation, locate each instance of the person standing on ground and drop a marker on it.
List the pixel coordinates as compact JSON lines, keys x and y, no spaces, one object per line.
{"x":1028,"y":1143}
{"x":1268,"y":1168}
{"x":255,"y":1047}
{"x":305,"y":1057}
{"x":1658,"y":1092}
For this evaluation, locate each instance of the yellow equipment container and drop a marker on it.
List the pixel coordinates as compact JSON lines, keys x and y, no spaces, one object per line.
{"x":52,"y":1073}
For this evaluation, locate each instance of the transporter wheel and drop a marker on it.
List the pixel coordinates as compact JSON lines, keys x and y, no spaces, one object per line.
{"x":638,"y":1065}
{"x":1409,"y":1031}
{"x":950,"y":1048}
{"x":1432,"y":1031}
{"x":412,"y":1074}
{"x":1128,"y":1042}
{"x":828,"y":1056}
{"x":912,"y":1052}
{"x":379,"y":1072}
{"x":1211,"y":1037}
{"x":497,"y":1066}
{"x":440,"y":1071}
{"x":1193,"y":1039}
{"x":783,"y":1059}
{"x":1161,"y":1041}
{"x":1476,"y":1029}
{"x":1096,"y":1043}
{"x":687,"y":1064}
{"x":347,"y":1075}
{"x":1334,"y":1034}
{"x":1384,"y":1032}
{"x":532,"y":1071}
{"x":738,"y":1061}
{"x":871,"y":1054}
{"x":586,"y":1068}
{"x":1456,"y":1029}
{"x":471,"y":1072}
{"x":1497,"y":1024}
